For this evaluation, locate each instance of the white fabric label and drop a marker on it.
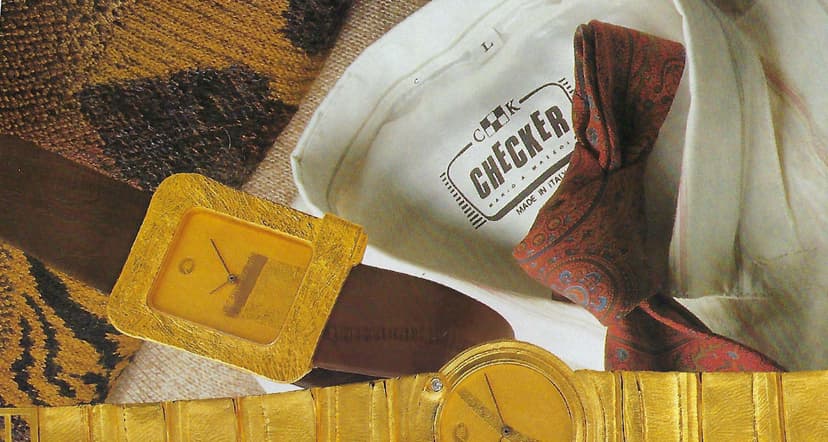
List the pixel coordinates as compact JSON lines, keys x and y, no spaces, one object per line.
{"x":521,"y":148}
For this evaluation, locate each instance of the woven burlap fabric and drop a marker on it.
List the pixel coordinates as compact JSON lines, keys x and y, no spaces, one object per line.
{"x":141,"y":90}
{"x":368,"y":21}
{"x":160,"y":373}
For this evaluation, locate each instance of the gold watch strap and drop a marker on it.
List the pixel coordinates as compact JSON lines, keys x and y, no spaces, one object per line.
{"x":392,"y":409}
{"x":649,"y":406}
{"x":620,"y":406}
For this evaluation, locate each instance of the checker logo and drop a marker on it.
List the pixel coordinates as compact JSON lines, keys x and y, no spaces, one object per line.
{"x":517,"y":154}
{"x":494,"y":121}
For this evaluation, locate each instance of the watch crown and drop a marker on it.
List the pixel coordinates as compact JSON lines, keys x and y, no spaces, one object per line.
{"x":436,"y":385}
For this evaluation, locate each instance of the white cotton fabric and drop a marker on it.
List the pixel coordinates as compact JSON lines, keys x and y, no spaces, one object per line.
{"x":424,"y":142}
{"x":779,"y":252}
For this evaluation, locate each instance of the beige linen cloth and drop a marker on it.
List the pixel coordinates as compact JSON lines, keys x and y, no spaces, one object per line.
{"x":159,"y":373}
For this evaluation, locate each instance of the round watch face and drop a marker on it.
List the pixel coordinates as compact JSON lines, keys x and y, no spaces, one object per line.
{"x":508,"y":391}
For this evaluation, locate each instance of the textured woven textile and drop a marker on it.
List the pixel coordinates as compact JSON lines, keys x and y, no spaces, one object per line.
{"x":368,"y":20}
{"x":587,"y":243}
{"x":137,"y":91}
{"x":57,"y":347}
{"x":140,"y":90}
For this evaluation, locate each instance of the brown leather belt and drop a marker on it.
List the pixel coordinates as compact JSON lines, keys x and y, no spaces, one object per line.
{"x":383,"y":323}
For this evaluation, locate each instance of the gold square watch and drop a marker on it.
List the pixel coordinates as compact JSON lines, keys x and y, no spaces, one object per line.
{"x":235,"y":278}
{"x":223,"y":274}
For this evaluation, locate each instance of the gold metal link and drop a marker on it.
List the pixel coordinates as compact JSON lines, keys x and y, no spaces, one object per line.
{"x":620,"y":406}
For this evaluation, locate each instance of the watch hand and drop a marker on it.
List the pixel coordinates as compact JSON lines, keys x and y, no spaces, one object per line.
{"x":494,"y":399}
{"x":510,"y":434}
{"x":492,"y":419}
{"x":477,"y":406}
{"x":506,"y":431}
{"x":221,"y":258}
{"x":247,"y":281}
{"x":230,"y":280}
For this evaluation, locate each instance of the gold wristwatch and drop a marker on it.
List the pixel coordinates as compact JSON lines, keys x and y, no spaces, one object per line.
{"x":277,"y":292}
{"x":228,"y":276}
{"x":223,"y":274}
{"x":499,"y":391}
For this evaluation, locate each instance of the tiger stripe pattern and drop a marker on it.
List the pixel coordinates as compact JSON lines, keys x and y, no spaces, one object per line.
{"x":56,"y":346}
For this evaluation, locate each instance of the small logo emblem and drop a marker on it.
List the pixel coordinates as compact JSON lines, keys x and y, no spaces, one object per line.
{"x":494,"y":121}
{"x":520,"y":148}
{"x":186,"y":266}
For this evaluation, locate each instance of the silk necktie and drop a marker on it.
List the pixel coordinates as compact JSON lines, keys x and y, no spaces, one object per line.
{"x":587,"y":243}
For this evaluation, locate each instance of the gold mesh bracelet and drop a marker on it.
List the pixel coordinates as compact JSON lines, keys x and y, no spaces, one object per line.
{"x":619,"y":406}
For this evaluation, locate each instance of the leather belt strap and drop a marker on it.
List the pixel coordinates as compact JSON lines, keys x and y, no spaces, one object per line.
{"x":65,"y":214}
{"x":383,"y":323}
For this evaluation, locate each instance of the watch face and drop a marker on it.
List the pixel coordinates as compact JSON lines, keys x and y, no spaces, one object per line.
{"x":508,"y":391}
{"x":505,"y":402}
{"x":230,"y":275}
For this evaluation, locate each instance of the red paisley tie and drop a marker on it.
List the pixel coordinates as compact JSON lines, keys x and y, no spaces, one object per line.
{"x":587,"y":243}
